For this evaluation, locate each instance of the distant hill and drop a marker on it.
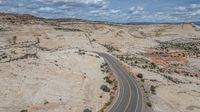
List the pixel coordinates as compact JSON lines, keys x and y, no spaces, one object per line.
{"x":196,"y":23}
{"x":26,"y":17}
{"x":145,"y":23}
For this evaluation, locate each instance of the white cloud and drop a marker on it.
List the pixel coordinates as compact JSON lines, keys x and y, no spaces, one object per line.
{"x":5,"y":0}
{"x":107,"y":14}
{"x":181,"y":8}
{"x":95,"y":11}
{"x":191,"y":10}
{"x":32,"y":6}
{"x":196,"y":13}
{"x":1,"y":1}
{"x":45,"y":9}
{"x":100,"y":3}
{"x":114,"y":11}
{"x":195,"y":6}
{"x":136,"y":10}
{"x":101,"y":10}
{"x":64,"y":7}
{"x":20,"y":4}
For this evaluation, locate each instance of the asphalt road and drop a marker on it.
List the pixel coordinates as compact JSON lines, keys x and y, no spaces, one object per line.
{"x":129,"y":95}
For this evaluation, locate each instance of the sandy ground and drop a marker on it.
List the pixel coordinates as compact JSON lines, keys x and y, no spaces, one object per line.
{"x":67,"y":81}
{"x":55,"y":72}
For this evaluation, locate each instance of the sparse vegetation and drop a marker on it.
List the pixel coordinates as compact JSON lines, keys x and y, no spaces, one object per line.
{"x":68,"y":29}
{"x":139,"y":75}
{"x":189,"y":46}
{"x":104,"y":64}
{"x":165,"y":68}
{"x":14,"y":39}
{"x":93,"y":40}
{"x":111,"y":48}
{"x":46,"y":102}
{"x":149,"y":104}
{"x":104,"y":67}
{"x":153,"y":89}
{"x":105,"y":88}
{"x":140,"y":63}
{"x":174,"y":80}
{"x":107,"y":104}
{"x":108,"y":80}
{"x":81,"y":52}
{"x":87,"y":110}
{"x":24,"y":110}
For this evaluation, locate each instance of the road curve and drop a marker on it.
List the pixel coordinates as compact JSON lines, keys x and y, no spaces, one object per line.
{"x":129,"y":95}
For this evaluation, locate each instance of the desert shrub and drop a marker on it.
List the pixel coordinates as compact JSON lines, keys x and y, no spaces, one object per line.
{"x":14,"y":39}
{"x":153,"y":89}
{"x":24,"y":110}
{"x":108,"y":103}
{"x":105,"y":88}
{"x":46,"y":102}
{"x":144,"y":66}
{"x":111,"y":48}
{"x":172,"y":79}
{"x":139,"y":75}
{"x":136,"y":62}
{"x":153,"y":65}
{"x":104,"y":65}
{"x":87,"y":110}
{"x":108,"y":80}
{"x":149,"y":104}
{"x":93,"y":40}
{"x":81,"y":52}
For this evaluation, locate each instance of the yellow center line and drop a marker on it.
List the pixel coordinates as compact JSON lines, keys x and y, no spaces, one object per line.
{"x":119,"y":79}
{"x":130,"y":92}
{"x":121,"y":95}
{"x":130,"y":96}
{"x":129,"y":85}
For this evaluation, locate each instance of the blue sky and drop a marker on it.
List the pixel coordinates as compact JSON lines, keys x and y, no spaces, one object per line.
{"x":108,"y":10}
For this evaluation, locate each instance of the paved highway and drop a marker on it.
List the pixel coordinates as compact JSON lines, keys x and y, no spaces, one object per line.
{"x":129,"y":97}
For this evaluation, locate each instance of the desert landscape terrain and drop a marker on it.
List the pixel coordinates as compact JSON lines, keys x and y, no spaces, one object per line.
{"x":50,"y":65}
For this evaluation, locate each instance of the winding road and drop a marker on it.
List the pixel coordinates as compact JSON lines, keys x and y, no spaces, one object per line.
{"x":129,"y":95}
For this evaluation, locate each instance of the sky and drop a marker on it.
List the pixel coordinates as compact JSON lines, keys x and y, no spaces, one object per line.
{"x":122,"y":11}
